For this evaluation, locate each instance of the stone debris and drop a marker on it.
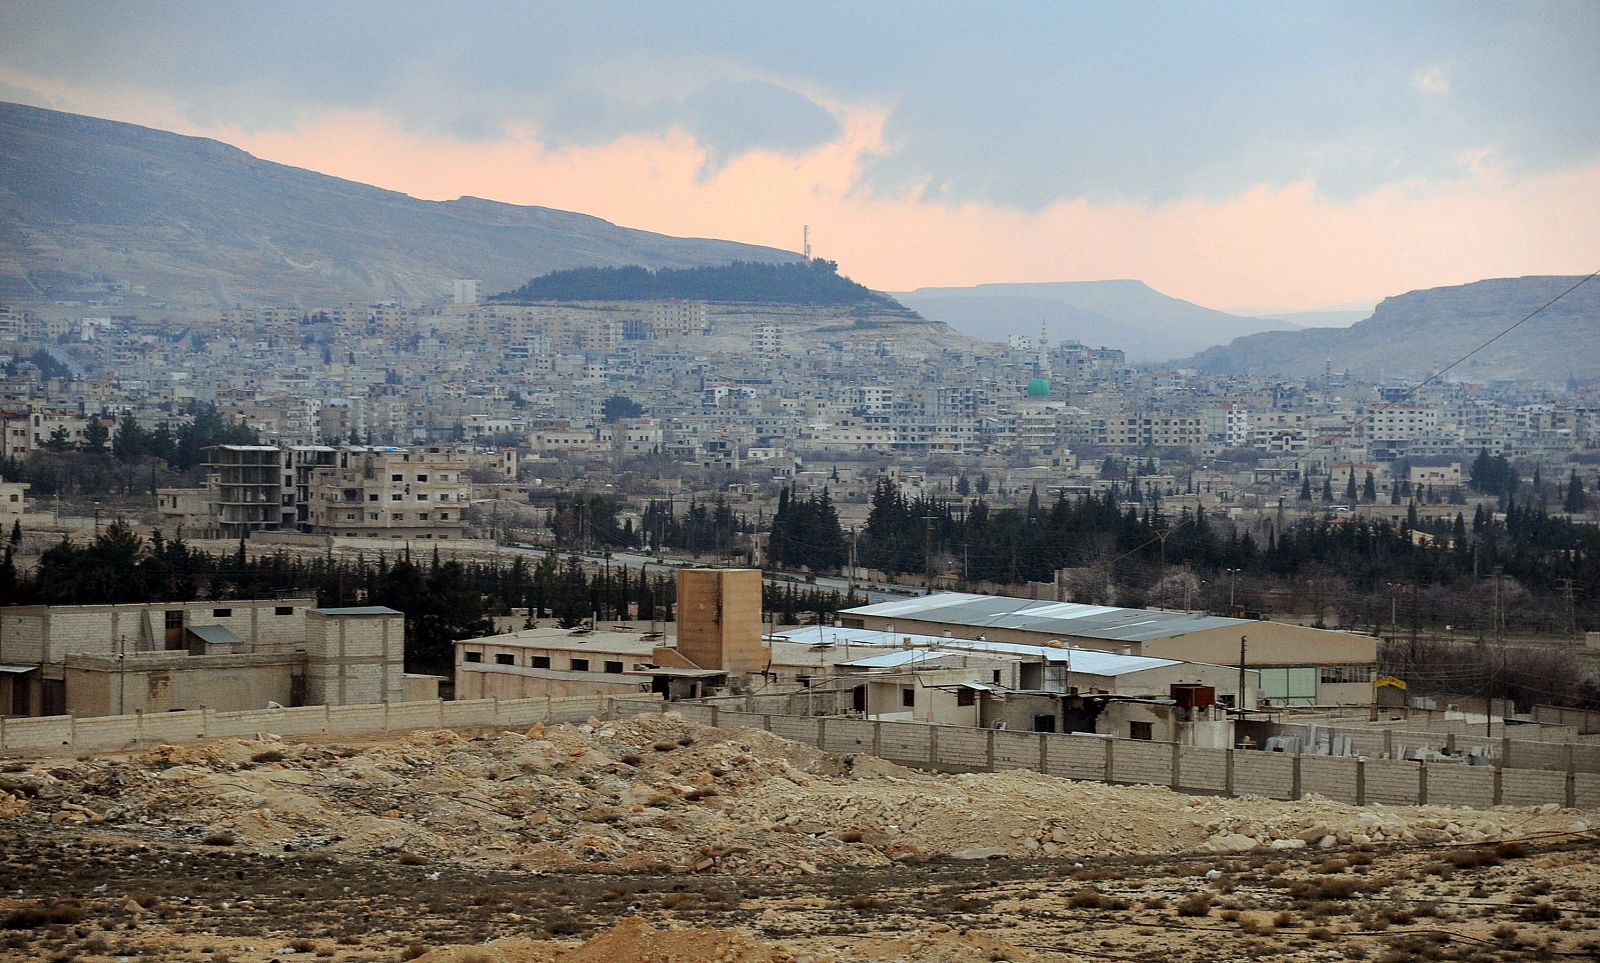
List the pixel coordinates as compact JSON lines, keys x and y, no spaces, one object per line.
{"x":635,"y":941}
{"x":660,"y":794}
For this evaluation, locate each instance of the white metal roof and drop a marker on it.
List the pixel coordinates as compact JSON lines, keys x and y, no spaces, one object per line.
{"x":978,"y":612}
{"x":1087,"y":661}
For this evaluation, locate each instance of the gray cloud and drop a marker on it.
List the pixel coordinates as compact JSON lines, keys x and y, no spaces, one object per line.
{"x":1018,"y":105}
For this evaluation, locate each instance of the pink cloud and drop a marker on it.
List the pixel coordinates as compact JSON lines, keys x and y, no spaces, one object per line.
{"x":1280,"y":245}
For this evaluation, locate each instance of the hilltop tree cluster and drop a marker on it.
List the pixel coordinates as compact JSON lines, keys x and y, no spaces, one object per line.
{"x":795,"y":282}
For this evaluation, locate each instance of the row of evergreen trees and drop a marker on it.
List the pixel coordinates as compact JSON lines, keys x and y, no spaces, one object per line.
{"x":442,"y":600}
{"x":1012,"y":545}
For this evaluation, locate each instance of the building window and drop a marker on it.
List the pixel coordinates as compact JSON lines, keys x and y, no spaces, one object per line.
{"x":1140,"y":730}
{"x":222,"y":613}
{"x":422,"y":496}
{"x":1333,"y":674}
{"x":349,"y":516}
{"x":541,"y":662}
{"x":505,"y":658}
{"x":580,"y":665}
{"x":395,"y":478}
{"x":422,"y":516}
{"x":908,"y":697}
{"x":615,"y":668}
{"x":473,"y":656}
{"x":174,"y":618}
{"x":422,"y":478}
{"x":966,"y":697}
{"x":397,"y":497}
{"x":372,"y":497}
{"x":283,"y":610}
{"x":444,"y":516}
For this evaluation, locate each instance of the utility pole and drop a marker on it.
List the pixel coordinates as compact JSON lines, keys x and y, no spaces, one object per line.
{"x":1240,"y":698}
{"x":1572,"y":615}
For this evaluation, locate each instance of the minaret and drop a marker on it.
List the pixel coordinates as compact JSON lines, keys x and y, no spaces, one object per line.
{"x":1041,"y":364}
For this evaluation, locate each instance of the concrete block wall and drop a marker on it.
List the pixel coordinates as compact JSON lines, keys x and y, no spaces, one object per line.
{"x":1334,"y":777}
{"x":1141,"y":762}
{"x":1521,"y":754}
{"x":1269,"y":774}
{"x":847,"y":735}
{"x":1015,"y":750}
{"x":1077,"y":757}
{"x":1203,"y":769}
{"x":1393,"y":781}
{"x":798,"y":728}
{"x":734,"y":719}
{"x":905,"y":742}
{"x":963,"y":748}
{"x":1586,"y":790}
{"x":1532,"y":787}
{"x":1471,"y":786}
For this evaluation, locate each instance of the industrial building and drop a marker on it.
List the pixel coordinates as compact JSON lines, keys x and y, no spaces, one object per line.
{"x":718,"y":642}
{"x":1298,"y":665}
{"x":93,"y":660}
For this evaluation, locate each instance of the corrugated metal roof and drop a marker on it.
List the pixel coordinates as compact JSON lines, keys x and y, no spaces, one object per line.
{"x":895,"y":659}
{"x":359,"y":610}
{"x":980,"y":612}
{"x":1087,"y":661}
{"x":214,"y":634}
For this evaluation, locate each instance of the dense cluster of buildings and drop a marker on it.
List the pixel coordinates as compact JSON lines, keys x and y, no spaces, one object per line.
{"x":725,"y":386}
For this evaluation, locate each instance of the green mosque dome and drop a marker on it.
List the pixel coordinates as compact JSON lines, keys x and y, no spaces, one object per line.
{"x":1038,"y":388}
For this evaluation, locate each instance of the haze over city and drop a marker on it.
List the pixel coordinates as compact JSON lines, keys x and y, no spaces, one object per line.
{"x":1236,"y":155}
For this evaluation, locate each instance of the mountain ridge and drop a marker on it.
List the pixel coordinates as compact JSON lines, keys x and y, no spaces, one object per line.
{"x":92,"y":204}
{"x":1122,"y":313}
{"x":1411,"y":335}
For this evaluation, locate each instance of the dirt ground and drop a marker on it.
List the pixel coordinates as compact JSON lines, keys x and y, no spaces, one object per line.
{"x":656,"y":840}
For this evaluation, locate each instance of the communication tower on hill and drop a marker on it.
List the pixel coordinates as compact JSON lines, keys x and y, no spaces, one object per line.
{"x":805,"y":241}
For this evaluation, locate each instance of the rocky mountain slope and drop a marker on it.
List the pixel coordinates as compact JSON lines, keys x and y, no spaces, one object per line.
{"x":1148,"y":325}
{"x":1414,"y":334}
{"x":91,"y":206}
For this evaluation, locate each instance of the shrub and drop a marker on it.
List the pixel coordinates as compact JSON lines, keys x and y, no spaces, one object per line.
{"x":412,"y":951}
{"x":1195,"y":904}
{"x":1511,"y":849}
{"x":267,"y":755}
{"x":1539,"y":913}
{"x":220,"y":838}
{"x":33,"y":917}
{"x":1090,"y":898}
{"x":411,"y":859}
{"x":1472,"y":858}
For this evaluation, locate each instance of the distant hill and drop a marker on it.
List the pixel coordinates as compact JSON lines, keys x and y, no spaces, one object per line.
{"x":1148,"y":325}
{"x":817,"y":282}
{"x":1411,"y":335}
{"x":89,"y":206}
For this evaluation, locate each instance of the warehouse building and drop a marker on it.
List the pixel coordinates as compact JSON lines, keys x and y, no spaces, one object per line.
{"x":1297,"y":665}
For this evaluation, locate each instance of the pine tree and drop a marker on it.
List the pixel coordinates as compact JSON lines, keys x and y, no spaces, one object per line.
{"x":1327,"y":488}
{"x":1350,"y":487}
{"x":1305,"y":488}
{"x":1369,"y":489}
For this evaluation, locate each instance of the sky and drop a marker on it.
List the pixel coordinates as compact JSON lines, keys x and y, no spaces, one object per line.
{"x":1294,"y":154}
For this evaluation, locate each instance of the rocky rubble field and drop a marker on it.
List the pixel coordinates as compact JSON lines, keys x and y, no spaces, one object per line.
{"x":658,"y":840}
{"x":659,"y":794}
